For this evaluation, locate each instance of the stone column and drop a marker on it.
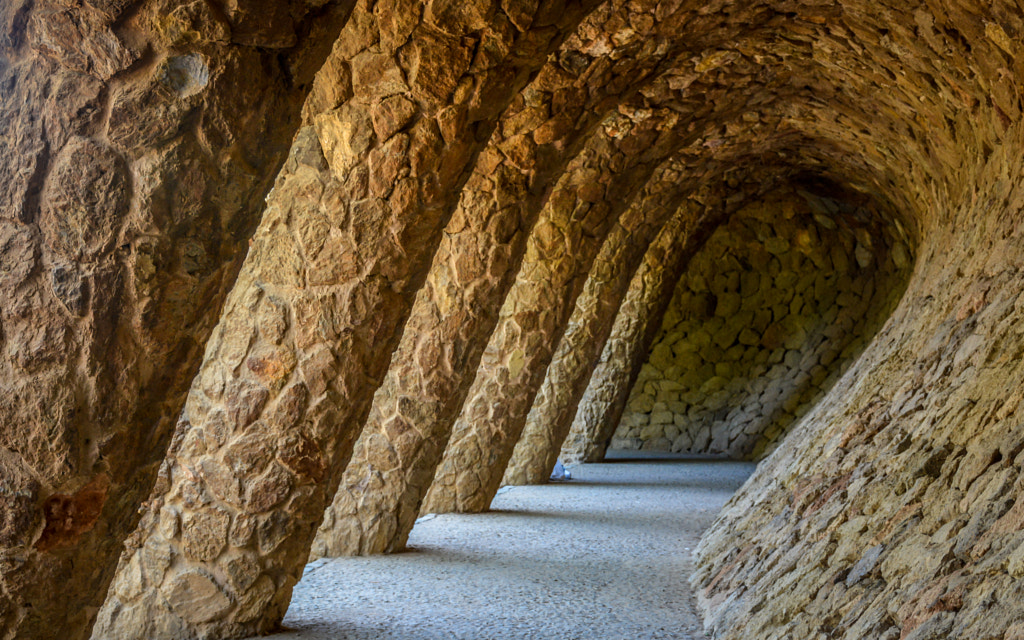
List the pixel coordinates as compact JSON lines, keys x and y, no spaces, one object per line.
{"x":138,"y":140}
{"x":396,"y":456}
{"x":305,"y":336}
{"x":551,"y":416}
{"x":628,"y":343}
{"x":401,"y":444}
{"x":559,"y":255}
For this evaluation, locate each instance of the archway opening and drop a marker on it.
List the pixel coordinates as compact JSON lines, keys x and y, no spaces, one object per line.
{"x":770,"y":313}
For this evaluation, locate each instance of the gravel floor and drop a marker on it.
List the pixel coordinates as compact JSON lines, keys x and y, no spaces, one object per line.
{"x":603,"y":556}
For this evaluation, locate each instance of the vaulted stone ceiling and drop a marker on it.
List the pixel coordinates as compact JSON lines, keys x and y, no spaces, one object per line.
{"x":274,"y":277}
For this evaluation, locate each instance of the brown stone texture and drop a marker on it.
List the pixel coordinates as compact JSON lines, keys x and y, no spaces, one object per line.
{"x":565,"y":380}
{"x":645,"y":303}
{"x":893,"y":508}
{"x":140,"y":141}
{"x":612,"y":54}
{"x":304,"y":338}
{"x":772,"y":310}
{"x":358,"y":514}
{"x":474,"y":267}
{"x":536,"y":311}
{"x":137,"y":142}
{"x":559,"y":255}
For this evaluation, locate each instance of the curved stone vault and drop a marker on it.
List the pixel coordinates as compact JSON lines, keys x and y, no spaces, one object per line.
{"x":277,"y":277}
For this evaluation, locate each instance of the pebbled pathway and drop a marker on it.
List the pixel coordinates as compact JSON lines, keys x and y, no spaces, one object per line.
{"x":603,"y":556}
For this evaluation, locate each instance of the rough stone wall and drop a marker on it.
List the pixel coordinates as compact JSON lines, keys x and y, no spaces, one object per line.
{"x":592,"y":321}
{"x":534,"y":315}
{"x":699,"y":86}
{"x":401,"y":111}
{"x":535,"y":454}
{"x":473,"y":269}
{"x":594,"y":66}
{"x":771,"y":311}
{"x":139,"y":139}
{"x":894,"y":508}
{"x":647,"y":299}
{"x":137,"y":142}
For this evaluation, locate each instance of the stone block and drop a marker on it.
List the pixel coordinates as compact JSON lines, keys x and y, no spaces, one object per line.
{"x":713,"y":384}
{"x":641,"y":404}
{"x":661,"y":418}
{"x":662,"y":357}
{"x":683,"y":443}
{"x":726,"y":336}
{"x":657,"y":444}
{"x":847,"y":299}
{"x":711,"y":354}
{"x":678,"y":407}
{"x":748,"y":337}
{"x":728,"y":304}
{"x":736,"y":353}
{"x":777,"y":245}
{"x":195,"y":596}
{"x":666,"y":397}
{"x":701,"y":439}
{"x":690,"y":360}
{"x":1015,"y":563}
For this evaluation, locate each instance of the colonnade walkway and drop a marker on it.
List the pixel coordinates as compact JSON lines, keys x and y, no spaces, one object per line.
{"x":606,"y":555}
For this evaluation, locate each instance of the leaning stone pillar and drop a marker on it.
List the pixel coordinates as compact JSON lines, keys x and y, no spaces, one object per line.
{"x":636,"y":325}
{"x":551,"y":417}
{"x":457,"y":309}
{"x":566,"y":379}
{"x":559,"y":256}
{"x":138,"y":140}
{"x":304,"y":339}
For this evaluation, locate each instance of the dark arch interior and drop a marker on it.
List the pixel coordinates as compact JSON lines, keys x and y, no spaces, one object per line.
{"x":771,"y":311}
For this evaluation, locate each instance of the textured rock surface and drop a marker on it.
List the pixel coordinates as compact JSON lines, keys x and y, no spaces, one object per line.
{"x":547,"y":423}
{"x":558,"y":256}
{"x":893,"y":509}
{"x":565,"y":381}
{"x":457,"y":308}
{"x":303,"y":340}
{"x":141,"y":138}
{"x":137,"y":142}
{"x":604,"y":400}
{"x":536,"y":312}
{"x":774,"y":308}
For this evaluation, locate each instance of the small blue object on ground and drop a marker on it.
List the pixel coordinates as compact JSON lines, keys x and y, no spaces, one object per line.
{"x":560,"y":472}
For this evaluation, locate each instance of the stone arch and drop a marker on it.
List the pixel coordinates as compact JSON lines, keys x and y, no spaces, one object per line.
{"x":473,"y":269}
{"x":565,"y":381}
{"x":533,"y":318}
{"x":133,"y":171}
{"x":399,"y":499}
{"x":289,"y":373}
{"x":808,"y":121}
{"x":768,"y":316}
{"x":876,"y":473}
